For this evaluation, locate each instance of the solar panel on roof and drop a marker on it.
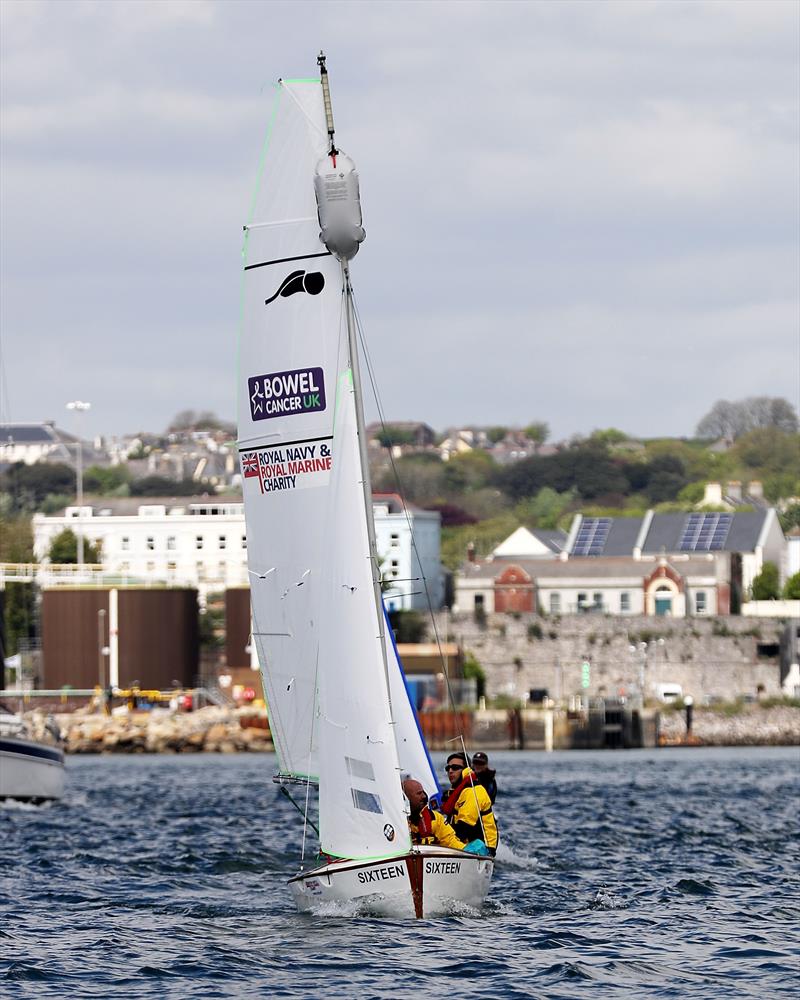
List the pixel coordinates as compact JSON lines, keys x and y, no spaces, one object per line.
{"x":705,"y":532}
{"x":591,"y":537}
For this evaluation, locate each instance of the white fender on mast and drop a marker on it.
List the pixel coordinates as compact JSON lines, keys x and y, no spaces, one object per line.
{"x":336,"y":190}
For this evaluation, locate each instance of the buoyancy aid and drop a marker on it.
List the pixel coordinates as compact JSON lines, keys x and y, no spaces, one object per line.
{"x":431,"y":827}
{"x":469,"y":809}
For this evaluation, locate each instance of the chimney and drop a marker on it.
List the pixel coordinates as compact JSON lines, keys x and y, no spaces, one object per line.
{"x":471,"y":552}
{"x":756,"y":490}
{"x":713,"y":495}
{"x":735,"y":490}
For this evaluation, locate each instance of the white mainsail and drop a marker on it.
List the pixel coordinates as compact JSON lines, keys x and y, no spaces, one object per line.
{"x":331,"y":672}
{"x":288,"y":368}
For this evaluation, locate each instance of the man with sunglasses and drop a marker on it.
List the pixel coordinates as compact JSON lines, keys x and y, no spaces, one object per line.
{"x":468,"y":806}
{"x":428,"y":826}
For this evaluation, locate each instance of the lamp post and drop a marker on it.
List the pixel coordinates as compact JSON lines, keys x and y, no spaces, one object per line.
{"x":79,"y":407}
{"x":102,"y":652}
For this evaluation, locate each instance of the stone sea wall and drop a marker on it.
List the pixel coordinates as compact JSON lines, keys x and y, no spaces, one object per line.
{"x":753,"y":725}
{"x":723,"y":658}
{"x":217,"y":730}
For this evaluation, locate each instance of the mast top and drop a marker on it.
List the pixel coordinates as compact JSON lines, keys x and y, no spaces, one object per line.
{"x":326,"y":97}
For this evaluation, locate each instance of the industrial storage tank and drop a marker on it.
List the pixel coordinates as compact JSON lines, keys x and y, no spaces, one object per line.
{"x":237,"y":627}
{"x":119,"y":636}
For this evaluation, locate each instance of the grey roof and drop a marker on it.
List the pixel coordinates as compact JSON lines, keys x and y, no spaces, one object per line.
{"x":622,"y":536}
{"x":665,"y":532}
{"x":745,"y":531}
{"x":555,"y":540}
{"x":28,"y":433}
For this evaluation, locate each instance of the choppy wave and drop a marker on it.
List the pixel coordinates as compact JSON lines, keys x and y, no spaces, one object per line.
{"x":637,"y":874}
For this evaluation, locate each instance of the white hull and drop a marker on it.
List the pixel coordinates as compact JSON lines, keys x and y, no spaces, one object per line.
{"x":426,"y":882}
{"x":30,"y":771}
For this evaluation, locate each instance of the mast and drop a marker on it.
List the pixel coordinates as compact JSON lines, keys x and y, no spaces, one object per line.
{"x":342,"y":233}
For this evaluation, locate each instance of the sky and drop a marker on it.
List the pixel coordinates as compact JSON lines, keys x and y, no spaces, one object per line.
{"x":584,"y":214}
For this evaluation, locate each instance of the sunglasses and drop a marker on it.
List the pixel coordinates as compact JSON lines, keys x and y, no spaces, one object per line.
{"x":454,"y":767}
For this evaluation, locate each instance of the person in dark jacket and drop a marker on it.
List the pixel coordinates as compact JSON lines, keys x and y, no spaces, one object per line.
{"x":484,"y":775}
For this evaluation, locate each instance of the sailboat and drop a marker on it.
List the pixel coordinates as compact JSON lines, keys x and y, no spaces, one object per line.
{"x":340,"y":712}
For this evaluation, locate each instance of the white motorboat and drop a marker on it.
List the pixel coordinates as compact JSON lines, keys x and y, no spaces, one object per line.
{"x":340,"y":713}
{"x":30,"y":770}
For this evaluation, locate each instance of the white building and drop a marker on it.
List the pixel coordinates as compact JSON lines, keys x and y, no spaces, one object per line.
{"x":409,"y":546}
{"x":202,"y":543}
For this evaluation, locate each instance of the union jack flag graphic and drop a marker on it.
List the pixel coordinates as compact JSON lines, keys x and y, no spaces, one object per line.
{"x":250,"y":464}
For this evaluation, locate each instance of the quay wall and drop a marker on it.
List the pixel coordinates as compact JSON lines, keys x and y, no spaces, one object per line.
{"x":711,"y":658}
{"x":220,"y":730}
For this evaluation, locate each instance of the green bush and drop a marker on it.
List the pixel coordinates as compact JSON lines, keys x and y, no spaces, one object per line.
{"x":766,"y":586}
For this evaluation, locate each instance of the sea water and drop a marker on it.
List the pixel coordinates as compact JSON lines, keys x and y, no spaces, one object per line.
{"x":666,"y":873}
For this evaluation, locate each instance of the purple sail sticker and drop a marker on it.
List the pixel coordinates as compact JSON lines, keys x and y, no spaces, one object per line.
{"x":284,"y":393}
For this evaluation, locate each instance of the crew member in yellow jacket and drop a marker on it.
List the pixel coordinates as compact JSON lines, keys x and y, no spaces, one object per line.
{"x":468,"y":806}
{"x":429,"y":827}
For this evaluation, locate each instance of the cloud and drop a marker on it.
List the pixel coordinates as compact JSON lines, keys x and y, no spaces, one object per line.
{"x":565,"y":202}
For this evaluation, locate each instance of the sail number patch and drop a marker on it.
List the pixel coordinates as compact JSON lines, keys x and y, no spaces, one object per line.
{"x":442,"y":867}
{"x":284,"y":393}
{"x":378,"y":874}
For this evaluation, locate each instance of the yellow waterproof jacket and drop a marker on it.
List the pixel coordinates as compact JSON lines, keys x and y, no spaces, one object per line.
{"x":435,"y":831}
{"x":472,"y":817}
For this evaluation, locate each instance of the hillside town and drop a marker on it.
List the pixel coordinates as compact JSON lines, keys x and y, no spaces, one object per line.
{"x":124,"y":563}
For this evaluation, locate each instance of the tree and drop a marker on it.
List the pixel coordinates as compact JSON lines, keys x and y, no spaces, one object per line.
{"x":64,"y":549}
{"x":790,"y":518}
{"x":538,"y":432}
{"x":732,"y":420}
{"x":390,"y":436}
{"x":105,"y":481}
{"x":473,"y":669}
{"x":495,"y":434}
{"x":766,"y":586}
{"x":28,"y":485}
{"x":161,"y":486}
{"x":791,"y":590}
{"x":408,"y":626}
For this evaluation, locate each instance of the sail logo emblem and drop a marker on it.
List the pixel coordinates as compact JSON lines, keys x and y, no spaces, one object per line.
{"x":299,"y":281}
{"x":388,"y":831}
{"x":282,"y":393}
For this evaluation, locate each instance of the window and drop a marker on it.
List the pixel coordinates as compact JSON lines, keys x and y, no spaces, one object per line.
{"x":198,"y":542}
{"x":700,"y":602}
{"x":172,"y":567}
{"x":597,"y":600}
{"x":395,"y":539}
{"x":126,"y":543}
{"x":151,"y":567}
{"x":624,"y":602}
{"x":244,"y":541}
{"x":171,"y":543}
{"x":201,"y":571}
{"x":223,"y":541}
{"x":478,"y":601}
{"x":151,"y":543}
{"x":555,"y":604}
{"x":583,"y":600}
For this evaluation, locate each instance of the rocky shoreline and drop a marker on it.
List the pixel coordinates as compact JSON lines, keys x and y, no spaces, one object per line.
{"x":753,"y":725}
{"x":221,"y":730}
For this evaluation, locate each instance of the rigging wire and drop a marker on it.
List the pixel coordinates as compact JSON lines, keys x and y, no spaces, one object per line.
{"x":396,"y":476}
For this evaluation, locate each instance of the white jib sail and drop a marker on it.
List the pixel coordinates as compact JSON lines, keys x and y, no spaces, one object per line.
{"x":292,"y":312}
{"x":415,"y":762}
{"x":362,"y":810}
